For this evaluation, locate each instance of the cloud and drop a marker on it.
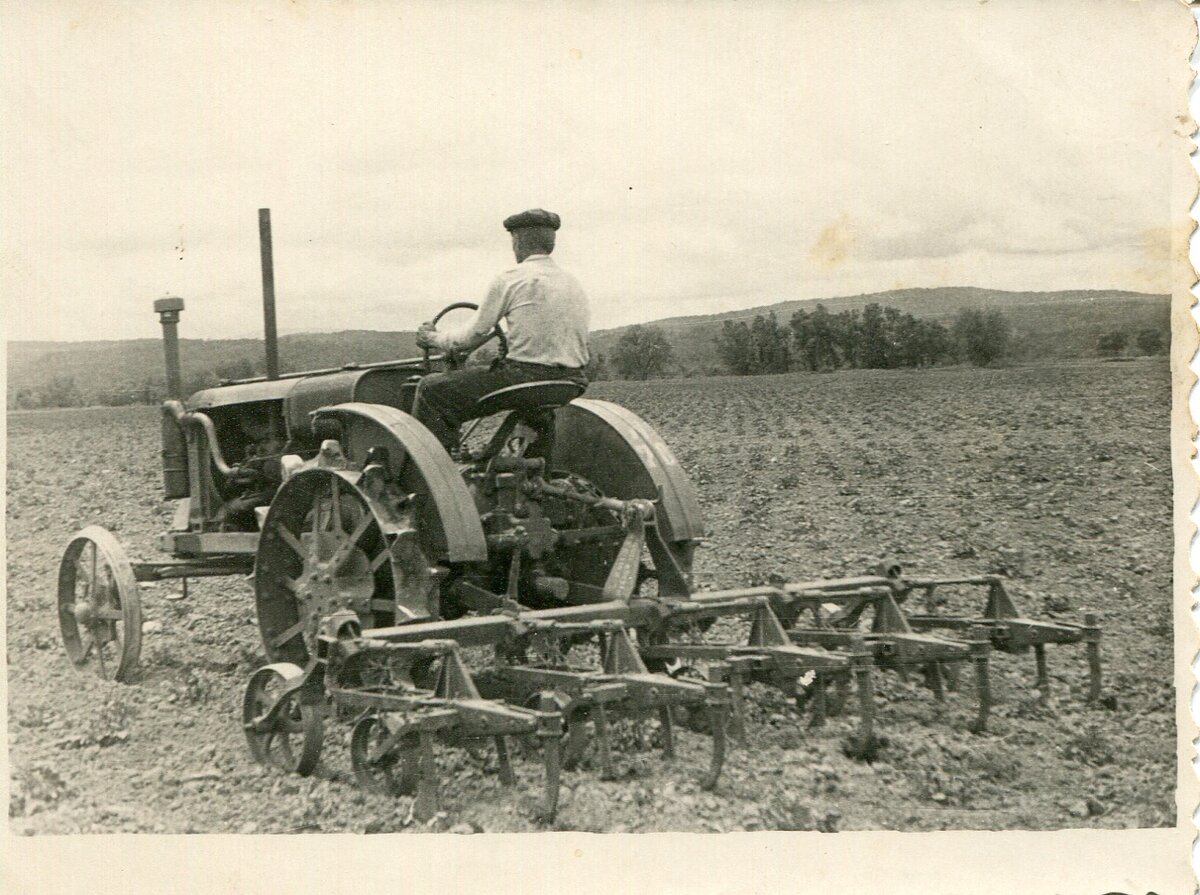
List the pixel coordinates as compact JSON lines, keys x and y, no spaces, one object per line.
{"x":722,"y":156}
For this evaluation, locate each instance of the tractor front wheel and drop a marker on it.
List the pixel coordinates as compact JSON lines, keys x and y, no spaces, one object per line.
{"x":99,"y":610}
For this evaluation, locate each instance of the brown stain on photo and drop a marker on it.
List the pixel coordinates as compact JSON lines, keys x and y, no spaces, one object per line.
{"x":834,"y":244}
{"x":1158,"y":248}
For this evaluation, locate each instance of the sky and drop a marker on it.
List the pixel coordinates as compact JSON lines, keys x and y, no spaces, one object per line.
{"x":703,"y":157}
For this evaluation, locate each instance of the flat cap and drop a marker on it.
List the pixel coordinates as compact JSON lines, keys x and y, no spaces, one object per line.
{"x":535,"y":217}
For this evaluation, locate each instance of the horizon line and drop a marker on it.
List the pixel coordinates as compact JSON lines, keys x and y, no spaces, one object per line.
{"x":750,"y":310}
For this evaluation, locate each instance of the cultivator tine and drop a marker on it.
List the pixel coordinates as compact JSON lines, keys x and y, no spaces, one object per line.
{"x":817,"y":713}
{"x":1042,"y":681}
{"x":549,"y":731}
{"x":737,"y":699}
{"x":953,"y":679}
{"x":603,"y":741}
{"x":769,"y":655}
{"x":575,"y":743}
{"x":981,"y":649}
{"x":716,"y":705}
{"x":934,"y":681}
{"x":504,"y":762}
{"x":841,"y":683}
{"x":864,"y":684}
{"x":427,"y":801}
{"x":666,"y":732}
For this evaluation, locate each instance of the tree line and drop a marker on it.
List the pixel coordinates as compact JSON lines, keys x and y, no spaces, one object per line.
{"x":877,"y":337}
{"x":1146,"y":341}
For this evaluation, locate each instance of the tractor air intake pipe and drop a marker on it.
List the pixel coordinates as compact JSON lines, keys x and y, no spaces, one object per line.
{"x":174,"y":443}
{"x":168,"y":309}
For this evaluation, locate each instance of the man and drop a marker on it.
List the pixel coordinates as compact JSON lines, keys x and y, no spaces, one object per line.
{"x":547,"y":316}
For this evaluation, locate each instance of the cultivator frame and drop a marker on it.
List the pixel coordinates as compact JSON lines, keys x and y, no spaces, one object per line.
{"x":378,"y":560}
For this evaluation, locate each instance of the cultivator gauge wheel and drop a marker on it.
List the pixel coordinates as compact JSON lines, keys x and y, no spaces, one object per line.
{"x":99,"y":610}
{"x":283,"y":730}
{"x":382,"y":768}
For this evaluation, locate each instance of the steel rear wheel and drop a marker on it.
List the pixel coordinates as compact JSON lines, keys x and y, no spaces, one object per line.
{"x":323,"y":550}
{"x":99,"y":609}
{"x":292,"y":740}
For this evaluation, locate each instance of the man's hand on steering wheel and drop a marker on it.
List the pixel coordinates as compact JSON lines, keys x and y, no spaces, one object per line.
{"x":424,"y":335}
{"x":456,"y":358}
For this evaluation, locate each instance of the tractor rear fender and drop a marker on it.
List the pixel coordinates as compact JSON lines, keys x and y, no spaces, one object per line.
{"x":622,"y":455}
{"x":449,"y":521}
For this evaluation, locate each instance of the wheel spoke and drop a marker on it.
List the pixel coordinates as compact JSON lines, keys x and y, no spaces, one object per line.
{"x":92,"y":574}
{"x":110,"y":615}
{"x":361,"y":529}
{"x":291,"y":540}
{"x":335,"y":505}
{"x":100,"y":658}
{"x":315,"y":546}
{"x":383,"y":556}
{"x":82,"y":576}
{"x":288,"y":633}
{"x":347,"y":546}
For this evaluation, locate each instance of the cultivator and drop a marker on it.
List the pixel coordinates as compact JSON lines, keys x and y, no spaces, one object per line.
{"x":531,"y":590}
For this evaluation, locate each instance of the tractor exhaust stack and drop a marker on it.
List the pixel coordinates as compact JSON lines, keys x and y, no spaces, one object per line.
{"x":271,"y":339}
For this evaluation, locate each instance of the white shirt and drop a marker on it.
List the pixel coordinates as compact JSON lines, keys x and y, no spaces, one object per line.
{"x":547,"y":315}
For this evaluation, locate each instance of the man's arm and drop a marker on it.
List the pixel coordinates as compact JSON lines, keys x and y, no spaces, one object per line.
{"x":476,"y":331}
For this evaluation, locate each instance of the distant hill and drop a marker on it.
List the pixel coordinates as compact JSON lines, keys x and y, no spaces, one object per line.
{"x":122,"y":371}
{"x":1045,"y":324}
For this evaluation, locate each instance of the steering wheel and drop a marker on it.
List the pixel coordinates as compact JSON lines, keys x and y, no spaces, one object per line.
{"x":456,"y":359}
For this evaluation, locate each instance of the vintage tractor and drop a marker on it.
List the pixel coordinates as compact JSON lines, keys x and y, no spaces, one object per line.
{"x":563,"y":543}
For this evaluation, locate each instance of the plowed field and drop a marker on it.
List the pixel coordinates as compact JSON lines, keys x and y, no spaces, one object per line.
{"x":1059,"y":476}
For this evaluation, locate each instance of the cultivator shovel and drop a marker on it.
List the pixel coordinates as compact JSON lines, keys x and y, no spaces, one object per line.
{"x":830,"y":618}
{"x":590,"y":693}
{"x":677,"y":637}
{"x":831,"y":613}
{"x":1007,"y":629}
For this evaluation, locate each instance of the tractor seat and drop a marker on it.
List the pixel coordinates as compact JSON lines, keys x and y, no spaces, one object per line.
{"x":529,"y":396}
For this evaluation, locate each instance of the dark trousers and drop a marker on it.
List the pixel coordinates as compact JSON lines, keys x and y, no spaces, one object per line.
{"x":446,"y":400}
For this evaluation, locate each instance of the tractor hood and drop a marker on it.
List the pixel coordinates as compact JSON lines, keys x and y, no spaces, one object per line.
{"x":241,"y":393}
{"x":301,"y":394}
